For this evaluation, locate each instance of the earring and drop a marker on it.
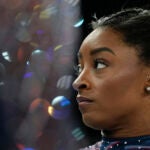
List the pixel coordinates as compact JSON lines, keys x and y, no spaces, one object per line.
{"x":147,"y":89}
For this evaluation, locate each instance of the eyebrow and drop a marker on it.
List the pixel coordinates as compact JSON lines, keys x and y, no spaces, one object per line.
{"x":98,"y":50}
{"x":101,"y":49}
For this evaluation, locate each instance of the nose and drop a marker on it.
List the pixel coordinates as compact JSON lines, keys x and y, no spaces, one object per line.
{"x":81,"y":82}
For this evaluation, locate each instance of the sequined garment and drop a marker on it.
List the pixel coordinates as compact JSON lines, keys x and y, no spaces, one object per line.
{"x":133,"y":143}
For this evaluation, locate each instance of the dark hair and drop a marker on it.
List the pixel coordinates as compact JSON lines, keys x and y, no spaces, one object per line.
{"x":134,"y":26}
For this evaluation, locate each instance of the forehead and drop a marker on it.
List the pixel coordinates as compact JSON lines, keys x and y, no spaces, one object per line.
{"x":105,"y":37}
{"x":108,"y":40}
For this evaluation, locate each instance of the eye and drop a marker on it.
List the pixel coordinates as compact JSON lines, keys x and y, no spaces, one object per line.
{"x":99,"y":64}
{"x":78,"y":69}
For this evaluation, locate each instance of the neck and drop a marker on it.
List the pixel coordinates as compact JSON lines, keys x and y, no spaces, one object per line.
{"x":123,"y":133}
{"x":139,"y":127}
{"x":135,"y":124}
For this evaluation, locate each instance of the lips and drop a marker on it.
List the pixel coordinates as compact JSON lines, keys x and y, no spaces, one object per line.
{"x":81,"y":99}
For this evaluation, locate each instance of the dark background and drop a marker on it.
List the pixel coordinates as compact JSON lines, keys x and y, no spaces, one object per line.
{"x":106,"y":7}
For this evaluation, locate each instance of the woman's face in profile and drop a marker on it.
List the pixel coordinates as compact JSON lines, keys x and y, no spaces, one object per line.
{"x":110,"y":82}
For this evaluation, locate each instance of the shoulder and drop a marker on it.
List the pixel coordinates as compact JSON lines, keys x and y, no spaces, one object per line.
{"x":96,"y":146}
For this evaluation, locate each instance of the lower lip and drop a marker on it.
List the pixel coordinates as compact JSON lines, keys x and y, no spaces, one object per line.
{"x":84,"y":103}
{"x":84,"y":106}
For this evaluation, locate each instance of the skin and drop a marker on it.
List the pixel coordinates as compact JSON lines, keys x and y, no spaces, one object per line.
{"x":118,"y":105}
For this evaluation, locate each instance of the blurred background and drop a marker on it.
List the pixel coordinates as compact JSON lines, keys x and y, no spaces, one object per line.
{"x":39,"y":40}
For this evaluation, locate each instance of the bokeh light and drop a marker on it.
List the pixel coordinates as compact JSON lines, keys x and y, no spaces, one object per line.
{"x":27,"y":148}
{"x":79,"y":23}
{"x":38,"y":42}
{"x":60,"y":107}
{"x":78,"y":134}
{"x":40,"y":104}
{"x":65,"y":82}
{"x":6,"y":56}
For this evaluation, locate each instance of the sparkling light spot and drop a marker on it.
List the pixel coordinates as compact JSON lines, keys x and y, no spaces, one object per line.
{"x":79,"y":23}
{"x":6,"y":56}
{"x":50,"y":110}
{"x":58,"y":47}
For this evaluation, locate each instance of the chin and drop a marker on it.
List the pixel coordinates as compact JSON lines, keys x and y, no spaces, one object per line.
{"x":97,"y":124}
{"x":91,"y":123}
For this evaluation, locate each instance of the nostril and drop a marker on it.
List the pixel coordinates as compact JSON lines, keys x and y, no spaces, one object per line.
{"x":79,"y":86}
{"x":82,"y":86}
{"x":81,"y":82}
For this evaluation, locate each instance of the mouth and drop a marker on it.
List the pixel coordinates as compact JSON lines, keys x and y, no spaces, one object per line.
{"x":83,"y":100}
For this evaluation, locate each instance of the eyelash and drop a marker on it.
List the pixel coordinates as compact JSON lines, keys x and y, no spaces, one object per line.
{"x":100,"y":61}
{"x":78,"y":69}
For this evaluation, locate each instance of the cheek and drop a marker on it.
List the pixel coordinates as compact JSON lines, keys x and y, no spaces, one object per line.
{"x":113,"y":102}
{"x":109,"y":88}
{"x":119,"y":90}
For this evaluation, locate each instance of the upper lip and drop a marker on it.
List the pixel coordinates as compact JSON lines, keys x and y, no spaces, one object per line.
{"x":83,"y":99}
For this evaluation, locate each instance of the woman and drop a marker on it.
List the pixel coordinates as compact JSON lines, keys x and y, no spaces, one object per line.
{"x":113,"y":84}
